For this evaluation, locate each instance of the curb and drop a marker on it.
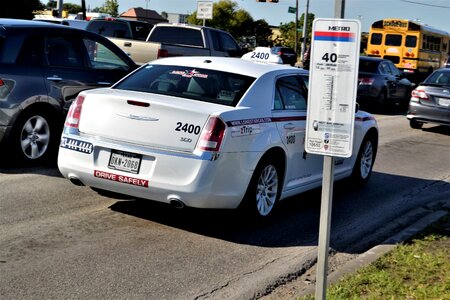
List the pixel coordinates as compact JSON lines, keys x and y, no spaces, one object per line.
{"x":377,"y":251}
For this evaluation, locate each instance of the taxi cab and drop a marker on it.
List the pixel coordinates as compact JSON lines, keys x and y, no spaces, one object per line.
{"x":204,"y":132}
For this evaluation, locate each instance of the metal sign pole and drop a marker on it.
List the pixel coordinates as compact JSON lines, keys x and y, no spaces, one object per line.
{"x":334,"y":35}
{"x":324,"y":228}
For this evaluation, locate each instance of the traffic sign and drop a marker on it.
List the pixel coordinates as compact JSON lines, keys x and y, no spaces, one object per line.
{"x":332,"y":87}
{"x":204,"y":10}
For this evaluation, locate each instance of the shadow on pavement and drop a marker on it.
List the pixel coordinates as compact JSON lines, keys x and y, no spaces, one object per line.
{"x":359,"y":215}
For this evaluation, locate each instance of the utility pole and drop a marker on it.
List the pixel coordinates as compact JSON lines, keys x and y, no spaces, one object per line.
{"x":60,"y":8}
{"x":296,"y":26}
{"x":305,"y":31}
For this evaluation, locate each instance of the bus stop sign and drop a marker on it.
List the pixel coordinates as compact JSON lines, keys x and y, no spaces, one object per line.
{"x":332,"y":87}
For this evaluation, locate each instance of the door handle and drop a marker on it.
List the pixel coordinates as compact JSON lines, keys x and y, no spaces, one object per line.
{"x":104,"y":83}
{"x":289,"y":126}
{"x":54,"y":78}
{"x":127,"y":44}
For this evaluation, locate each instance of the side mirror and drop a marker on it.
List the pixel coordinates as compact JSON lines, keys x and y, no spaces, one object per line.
{"x":356,"y":107}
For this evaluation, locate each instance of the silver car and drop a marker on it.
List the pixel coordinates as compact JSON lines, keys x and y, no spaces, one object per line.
{"x":430,"y":101}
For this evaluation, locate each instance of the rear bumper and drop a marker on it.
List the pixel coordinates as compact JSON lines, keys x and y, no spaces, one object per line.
{"x":428,"y":114}
{"x":193,"y":180}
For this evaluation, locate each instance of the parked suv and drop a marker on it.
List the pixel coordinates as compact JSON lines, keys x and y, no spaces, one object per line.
{"x":43,"y":67}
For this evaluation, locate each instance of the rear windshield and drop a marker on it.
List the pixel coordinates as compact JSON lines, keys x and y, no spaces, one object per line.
{"x":368,"y":66}
{"x":177,"y":35}
{"x":191,"y":83}
{"x":110,"y":29}
{"x":439,"y":78}
{"x":140,"y":30}
{"x":393,"y":40}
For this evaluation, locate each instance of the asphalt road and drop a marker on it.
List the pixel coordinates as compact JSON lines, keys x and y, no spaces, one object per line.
{"x":60,"y":241}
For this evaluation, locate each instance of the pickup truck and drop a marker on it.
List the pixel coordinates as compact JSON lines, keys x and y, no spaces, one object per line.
{"x":167,"y":39}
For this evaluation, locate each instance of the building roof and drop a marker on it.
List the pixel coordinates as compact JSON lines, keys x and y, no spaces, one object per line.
{"x":141,"y":14}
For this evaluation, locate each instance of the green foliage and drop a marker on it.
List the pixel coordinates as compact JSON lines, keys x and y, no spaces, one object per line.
{"x":72,"y":8}
{"x":111,"y":7}
{"x":51,"y":4}
{"x":287,"y":31}
{"x":20,"y":9}
{"x":416,"y":270}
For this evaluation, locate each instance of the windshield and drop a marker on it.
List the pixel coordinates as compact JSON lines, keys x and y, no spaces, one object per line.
{"x":187,"y":82}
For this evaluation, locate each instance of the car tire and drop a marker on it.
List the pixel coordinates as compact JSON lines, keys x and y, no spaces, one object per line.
{"x":264,"y":190}
{"x":34,"y":137}
{"x":414,"y":124}
{"x":362,"y":169}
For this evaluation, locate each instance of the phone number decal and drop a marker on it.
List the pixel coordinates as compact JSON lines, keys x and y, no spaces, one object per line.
{"x":76,"y":145}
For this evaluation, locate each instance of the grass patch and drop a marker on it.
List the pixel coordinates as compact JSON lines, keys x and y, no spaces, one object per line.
{"x":417,"y":269}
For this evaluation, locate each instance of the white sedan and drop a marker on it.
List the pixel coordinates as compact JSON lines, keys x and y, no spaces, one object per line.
{"x":204,"y":132}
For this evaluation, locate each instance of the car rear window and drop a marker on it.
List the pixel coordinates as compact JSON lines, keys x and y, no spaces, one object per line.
{"x":177,"y":35}
{"x":439,"y":78}
{"x":368,"y":66}
{"x":140,"y":30}
{"x":191,"y":83}
{"x":109,"y":29}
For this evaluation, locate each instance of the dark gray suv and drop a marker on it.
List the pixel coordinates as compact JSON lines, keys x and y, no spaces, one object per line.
{"x":42,"y":69}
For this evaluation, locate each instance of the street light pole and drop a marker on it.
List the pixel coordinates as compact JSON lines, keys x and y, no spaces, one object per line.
{"x":296,"y":26}
{"x":305,"y":30}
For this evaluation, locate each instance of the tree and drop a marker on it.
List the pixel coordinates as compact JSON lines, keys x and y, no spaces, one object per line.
{"x":263,"y":33}
{"x":51,"y":5}
{"x":20,"y":9}
{"x":111,"y":7}
{"x":72,"y":8}
{"x":287,"y":30}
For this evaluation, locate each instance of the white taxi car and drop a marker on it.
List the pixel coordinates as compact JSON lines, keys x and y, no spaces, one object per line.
{"x":204,"y":132}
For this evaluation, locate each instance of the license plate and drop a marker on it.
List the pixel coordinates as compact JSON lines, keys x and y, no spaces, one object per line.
{"x":125,"y":161}
{"x":444,"y":102}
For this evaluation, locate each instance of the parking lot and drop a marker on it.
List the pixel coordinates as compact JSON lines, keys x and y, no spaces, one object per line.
{"x":63,"y":241}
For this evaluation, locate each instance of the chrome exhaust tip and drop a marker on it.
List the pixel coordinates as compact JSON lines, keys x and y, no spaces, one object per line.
{"x":175,"y":202}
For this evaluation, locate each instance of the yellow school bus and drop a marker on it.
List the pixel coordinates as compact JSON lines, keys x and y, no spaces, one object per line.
{"x":413,"y":47}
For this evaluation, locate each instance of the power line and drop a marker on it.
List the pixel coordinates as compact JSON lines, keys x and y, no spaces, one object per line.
{"x":424,"y":4}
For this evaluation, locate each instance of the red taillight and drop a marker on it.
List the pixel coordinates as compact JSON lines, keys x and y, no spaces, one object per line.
{"x":162,"y":53}
{"x":407,"y":54}
{"x":419,"y":95}
{"x":366,"y":81}
{"x":280,"y":53}
{"x":212,"y":135}
{"x":1,"y":82}
{"x":73,"y":117}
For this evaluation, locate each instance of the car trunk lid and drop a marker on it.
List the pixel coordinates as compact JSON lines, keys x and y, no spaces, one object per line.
{"x":145,"y":119}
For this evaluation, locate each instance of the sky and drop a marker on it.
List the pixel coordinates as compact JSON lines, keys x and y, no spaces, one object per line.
{"x":435,"y":13}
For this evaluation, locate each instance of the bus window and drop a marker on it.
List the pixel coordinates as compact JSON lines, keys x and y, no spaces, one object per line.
{"x":393,"y":40}
{"x":411,"y":41}
{"x":376,"y":39}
